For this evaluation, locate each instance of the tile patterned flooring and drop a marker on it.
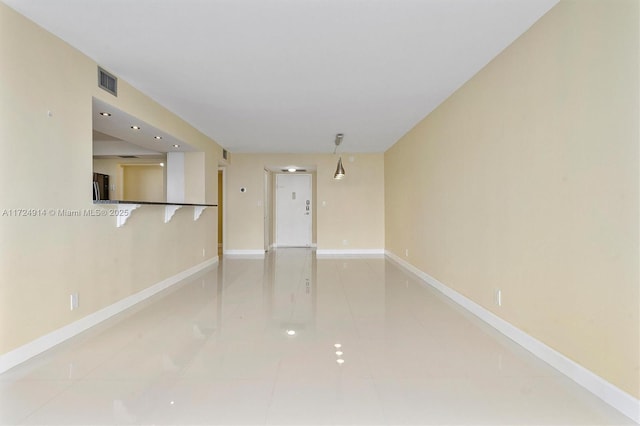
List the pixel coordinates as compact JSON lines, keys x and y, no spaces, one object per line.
{"x":295,"y":340}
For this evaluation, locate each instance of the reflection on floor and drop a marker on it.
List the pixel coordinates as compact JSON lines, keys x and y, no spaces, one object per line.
{"x":294,"y":340}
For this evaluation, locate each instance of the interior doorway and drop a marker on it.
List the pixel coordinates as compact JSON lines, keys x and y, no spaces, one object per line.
{"x":220,"y":211}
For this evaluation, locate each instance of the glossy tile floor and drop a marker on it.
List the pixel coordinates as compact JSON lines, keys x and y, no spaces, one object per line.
{"x":294,"y":340}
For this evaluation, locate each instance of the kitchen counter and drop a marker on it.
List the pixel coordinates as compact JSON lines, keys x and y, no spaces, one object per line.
{"x":152,"y":203}
{"x":126,"y":207}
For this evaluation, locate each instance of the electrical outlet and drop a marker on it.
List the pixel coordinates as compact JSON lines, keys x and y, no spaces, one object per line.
{"x":74,"y":301}
{"x":499,"y":297}
{"x":203,"y":252}
{"x":406,"y":252}
{"x":345,"y":242}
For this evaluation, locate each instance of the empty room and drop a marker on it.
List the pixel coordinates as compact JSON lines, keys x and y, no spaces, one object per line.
{"x":385,"y":212}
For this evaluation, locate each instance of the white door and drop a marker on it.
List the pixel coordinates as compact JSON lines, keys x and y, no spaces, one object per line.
{"x":293,"y":210}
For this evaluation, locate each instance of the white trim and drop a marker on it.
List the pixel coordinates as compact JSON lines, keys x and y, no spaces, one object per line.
{"x":169,"y":211}
{"x":46,"y":342}
{"x":124,"y":212}
{"x":240,"y":253}
{"x":197,"y":212}
{"x":608,"y":392}
{"x":324,"y":253}
{"x":311,"y":246}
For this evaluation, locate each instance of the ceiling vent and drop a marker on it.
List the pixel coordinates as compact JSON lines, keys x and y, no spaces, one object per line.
{"x":107,"y":81}
{"x":127,"y":156}
{"x":225,"y":154}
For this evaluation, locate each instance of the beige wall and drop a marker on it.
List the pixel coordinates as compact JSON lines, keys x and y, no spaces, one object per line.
{"x":526,"y":180}
{"x":353,"y":208}
{"x":114,"y":168}
{"x":46,"y":163}
{"x":143,"y":183}
{"x":195,"y":178}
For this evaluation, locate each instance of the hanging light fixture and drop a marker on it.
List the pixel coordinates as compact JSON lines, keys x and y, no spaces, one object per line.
{"x":339,"y":169}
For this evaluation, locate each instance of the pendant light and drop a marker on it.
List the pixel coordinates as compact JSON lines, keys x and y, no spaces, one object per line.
{"x":339,"y":169}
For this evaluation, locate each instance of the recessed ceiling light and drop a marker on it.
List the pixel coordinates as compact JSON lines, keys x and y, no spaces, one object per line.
{"x":135,"y":127}
{"x":291,"y":169}
{"x":338,"y":345}
{"x":176,"y":145}
{"x":291,"y":332}
{"x":340,"y":361}
{"x":157,"y":137}
{"x":161,"y":164}
{"x":105,"y":114}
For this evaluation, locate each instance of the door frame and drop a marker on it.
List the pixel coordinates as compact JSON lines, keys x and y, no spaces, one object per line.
{"x":267,"y":210}
{"x":224,"y":206}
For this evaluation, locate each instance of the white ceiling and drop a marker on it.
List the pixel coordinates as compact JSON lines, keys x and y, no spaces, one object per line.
{"x":107,"y":146}
{"x":113,"y":135}
{"x":287,"y":75}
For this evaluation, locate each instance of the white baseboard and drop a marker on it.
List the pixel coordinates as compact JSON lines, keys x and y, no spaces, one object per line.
{"x":275,"y":246}
{"x":46,"y":342}
{"x":609,"y":393}
{"x":357,"y":253}
{"x":245,"y":253}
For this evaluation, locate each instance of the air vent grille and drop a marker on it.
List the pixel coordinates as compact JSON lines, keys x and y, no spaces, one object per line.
{"x":225,"y":154}
{"x":127,"y":156}
{"x":107,"y":82}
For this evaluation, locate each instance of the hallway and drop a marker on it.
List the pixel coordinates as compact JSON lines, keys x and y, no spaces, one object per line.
{"x":291,"y":339}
